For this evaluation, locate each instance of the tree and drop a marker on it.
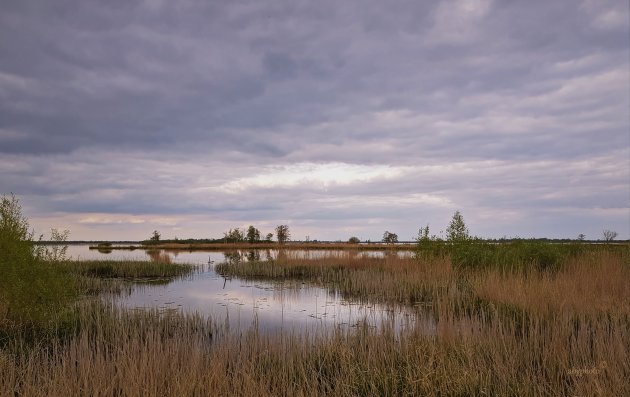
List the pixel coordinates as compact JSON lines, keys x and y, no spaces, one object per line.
{"x":282,"y":233}
{"x":269,"y":237}
{"x":253,"y":234}
{"x":609,"y":235}
{"x":31,"y":289}
{"x":16,"y":243}
{"x":56,"y":252}
{"x":12,"y":224}
{"x":354,"y":240}
{"x":390,"y":238}
{"x":233,"y":236}
{"x":581,"y":237}
{"x":423,"y":233}
{"x":457,"y":230}
{"x":155,"y":237}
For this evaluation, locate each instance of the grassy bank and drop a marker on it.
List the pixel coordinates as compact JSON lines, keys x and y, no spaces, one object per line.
{"x":38,"y":297}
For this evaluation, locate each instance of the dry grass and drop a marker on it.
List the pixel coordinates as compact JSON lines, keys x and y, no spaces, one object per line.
{"x":594,"y":283}
{"x":390,"y":279}
{"x":133,"y":354}
{"x":532,"y":333}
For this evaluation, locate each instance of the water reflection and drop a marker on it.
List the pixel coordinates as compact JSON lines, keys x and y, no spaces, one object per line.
{"x":253,"y":255}
{"x":159,"y":256}
{"x":272,"y":306}
{"x":81,"y":252}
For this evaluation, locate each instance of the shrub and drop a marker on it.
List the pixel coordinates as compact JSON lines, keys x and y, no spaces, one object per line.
{"x":514,"y":255}
{"x":32,"y":289}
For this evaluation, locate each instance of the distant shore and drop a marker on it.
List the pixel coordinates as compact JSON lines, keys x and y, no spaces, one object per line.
{"x":259,"y":246}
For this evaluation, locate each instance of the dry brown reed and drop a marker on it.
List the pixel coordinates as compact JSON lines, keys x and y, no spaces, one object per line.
{"x":497,"y":333}
{"x":593,"y":283}
{"x":134,"y":354}
{"x":389,"y":279}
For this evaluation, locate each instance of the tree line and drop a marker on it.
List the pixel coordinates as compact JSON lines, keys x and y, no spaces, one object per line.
{"x":251,"y":235}
{"x":456,"y":231}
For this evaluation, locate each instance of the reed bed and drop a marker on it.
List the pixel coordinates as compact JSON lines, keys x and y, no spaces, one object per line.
{"x":389,"y":278}
{"x":135,"y":270}
{"x":169,"y":354}
{"x":518,"y":331}
{"x":591,"y":284}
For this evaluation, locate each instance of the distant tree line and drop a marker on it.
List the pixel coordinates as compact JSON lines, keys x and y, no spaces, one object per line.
{"x":457,"y":231}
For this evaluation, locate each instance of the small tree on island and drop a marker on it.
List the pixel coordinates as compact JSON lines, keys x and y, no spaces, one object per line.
{"x":155,"y":237}
{"x":282,"y":233}
{"x":253,"y":235}
{"x":354,"y":240}
{"x":390,"y":238}
{"x":457,"y":230}
{"x":233,"y":236}
{"x":269,"y":237}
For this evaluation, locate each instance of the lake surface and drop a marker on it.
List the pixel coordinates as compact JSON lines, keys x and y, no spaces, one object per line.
{"x":287,"y":306}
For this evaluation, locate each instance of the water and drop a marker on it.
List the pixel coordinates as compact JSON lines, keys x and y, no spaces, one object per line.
{"x":271,"y":306}
{"x":81,"y":251}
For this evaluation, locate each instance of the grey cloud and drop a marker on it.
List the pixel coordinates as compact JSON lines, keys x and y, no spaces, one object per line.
{"x":153,"y":98}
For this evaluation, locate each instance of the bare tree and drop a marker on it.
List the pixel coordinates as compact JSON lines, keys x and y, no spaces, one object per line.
{"x":609,"y":235}
{"x":155,"y":236}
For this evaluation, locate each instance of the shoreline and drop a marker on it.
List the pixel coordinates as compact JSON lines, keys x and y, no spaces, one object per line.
{"x":260,"y":246}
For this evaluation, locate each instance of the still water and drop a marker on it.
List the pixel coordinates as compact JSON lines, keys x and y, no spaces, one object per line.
{"x":271,"y":306}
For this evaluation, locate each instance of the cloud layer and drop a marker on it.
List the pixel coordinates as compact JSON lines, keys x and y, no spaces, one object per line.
{"x":339,"y":118}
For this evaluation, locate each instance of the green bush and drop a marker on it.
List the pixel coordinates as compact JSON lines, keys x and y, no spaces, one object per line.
{"x":513,"y":255}
{"x":32,"y":290}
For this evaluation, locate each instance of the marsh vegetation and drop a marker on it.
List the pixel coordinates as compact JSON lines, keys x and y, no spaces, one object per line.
{"x":514,"y":319}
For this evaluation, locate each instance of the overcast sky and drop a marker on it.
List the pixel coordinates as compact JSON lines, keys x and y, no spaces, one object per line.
{"x":338,"y":118}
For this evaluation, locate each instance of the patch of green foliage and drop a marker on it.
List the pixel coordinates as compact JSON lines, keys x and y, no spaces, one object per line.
{"x":33,"y":289}
{"x":468,"y":252}
{"x":515,"y":255}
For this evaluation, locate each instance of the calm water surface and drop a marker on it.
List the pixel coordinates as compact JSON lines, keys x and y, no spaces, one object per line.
{"x":271,"y":306}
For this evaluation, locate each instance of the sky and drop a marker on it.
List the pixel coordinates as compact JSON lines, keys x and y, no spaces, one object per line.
{"x":337,"y":118}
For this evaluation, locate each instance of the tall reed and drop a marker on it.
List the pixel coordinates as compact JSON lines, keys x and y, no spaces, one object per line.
{"x":504,"y":331}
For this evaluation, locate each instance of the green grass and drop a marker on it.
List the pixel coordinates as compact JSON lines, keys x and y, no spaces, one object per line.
{"x":37,"y":297}
{"x":135,"y":270}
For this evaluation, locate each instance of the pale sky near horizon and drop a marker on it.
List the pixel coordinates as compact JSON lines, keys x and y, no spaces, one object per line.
{"x":337,"y":118}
